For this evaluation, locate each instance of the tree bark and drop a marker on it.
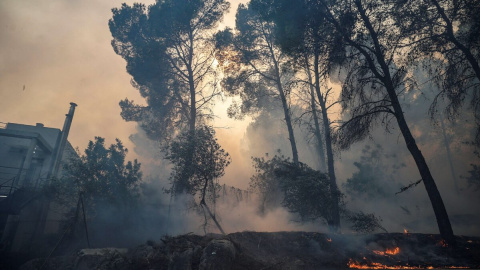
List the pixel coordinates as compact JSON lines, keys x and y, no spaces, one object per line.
{"x":192,"y":88}
{"x":317,"y":132}
{"x":334,"y":223}
{"x":286,"y":111}
{"x":288,"y":121}
{"x":183,"y":184}
{"x":441,"y":215}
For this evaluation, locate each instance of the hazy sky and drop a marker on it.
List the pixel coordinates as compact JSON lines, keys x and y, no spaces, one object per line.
{"x":58,"y":51}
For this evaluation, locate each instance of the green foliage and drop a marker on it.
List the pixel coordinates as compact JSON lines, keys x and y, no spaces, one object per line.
{"x":253,"y":64}
{"x":263,"y":70}
{"x":198,"y":160}
{"x":102,"y":175}
{"x":264,"y":181}
{"x":169,"y":55}
{"x":444,"y":36}
{"x":305,"y":191}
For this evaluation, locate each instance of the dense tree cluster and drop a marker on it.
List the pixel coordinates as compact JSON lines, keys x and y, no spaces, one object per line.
{"x":170,"y":57}
{"x":210,"y":161}
{"x":99,"y":188}
{"x":103,"y":175}
{"x":286,"y":55}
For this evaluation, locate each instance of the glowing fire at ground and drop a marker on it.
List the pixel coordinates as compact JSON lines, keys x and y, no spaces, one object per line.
{"x":374,"y":265}
{"x":388,"y":251}
{"x":443,"y":243}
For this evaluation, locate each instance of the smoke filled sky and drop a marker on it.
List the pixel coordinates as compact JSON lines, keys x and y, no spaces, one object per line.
{"x":56,"y":52}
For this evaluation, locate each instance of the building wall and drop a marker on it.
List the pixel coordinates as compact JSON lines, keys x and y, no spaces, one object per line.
{"x":30,"y":165}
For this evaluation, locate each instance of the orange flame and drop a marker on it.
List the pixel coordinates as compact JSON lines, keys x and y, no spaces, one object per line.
{"x":443,"y":243}
{"x":374,"y":265}
{"x":405,"y":231}
{"x":388,"y":251}
{"x":394,"y":251}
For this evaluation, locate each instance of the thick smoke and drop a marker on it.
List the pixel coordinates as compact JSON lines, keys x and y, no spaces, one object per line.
{"x":391,"y":168}
{"x":412,"y":209}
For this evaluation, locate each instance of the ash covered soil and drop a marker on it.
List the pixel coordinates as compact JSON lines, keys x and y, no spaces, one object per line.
{"x":278,"y":250}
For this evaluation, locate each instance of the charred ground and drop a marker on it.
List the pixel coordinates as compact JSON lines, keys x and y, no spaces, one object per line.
{"x":279,"y":250}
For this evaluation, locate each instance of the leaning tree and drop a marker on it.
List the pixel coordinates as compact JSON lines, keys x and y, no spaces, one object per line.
{"x":375,"y":80}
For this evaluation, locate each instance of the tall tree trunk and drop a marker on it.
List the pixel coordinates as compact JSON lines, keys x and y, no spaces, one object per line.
{"x":286,"y":111}
{"x":288,"y":121}
{"x":183,"y":184}
{"x":283,"y":98}
{"x":334,"y":223}
{"x":317,"y":132}
{"x":192,"y":88}
{"x":441,"y":215}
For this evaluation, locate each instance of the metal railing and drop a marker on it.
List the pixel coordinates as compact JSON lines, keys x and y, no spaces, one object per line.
{"x":14,"y":195}
{"x":7,"y":187}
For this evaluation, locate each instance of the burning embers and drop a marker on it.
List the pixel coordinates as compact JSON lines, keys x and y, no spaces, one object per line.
{"x":442,"y":243}
{"x":413,"y":251}
{"x":375,"y":265}
{"x":388,"y":251}
{"x":369,"y":264}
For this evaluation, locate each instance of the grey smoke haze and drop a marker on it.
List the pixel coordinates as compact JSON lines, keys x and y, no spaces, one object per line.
{"x":409,"y":210}
{"x":60,"y":50}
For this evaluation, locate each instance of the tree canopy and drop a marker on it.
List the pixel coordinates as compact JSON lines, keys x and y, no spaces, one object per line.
{"x":262,"y":68}
{"x":169,"y":56}
{"x":209,"y":161}
{"x":102,"y":174}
